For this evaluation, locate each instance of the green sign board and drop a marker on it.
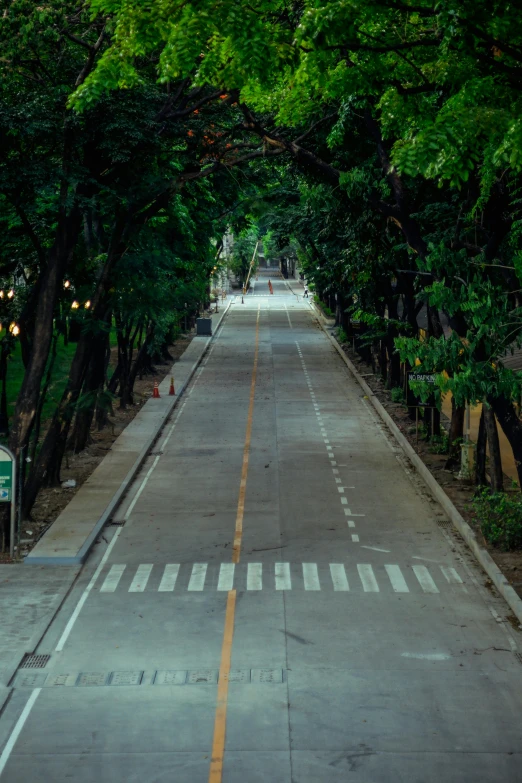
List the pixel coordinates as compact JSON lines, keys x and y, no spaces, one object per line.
{"x":6,"y":480}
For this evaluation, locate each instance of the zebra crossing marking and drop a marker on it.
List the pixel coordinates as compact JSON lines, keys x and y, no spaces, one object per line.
{"x":168,"y":580}
{"x":226,"y":576}
{"x":111,"y":580}
{"x":139,"y":583}
{"x":198,"y":576}
{"x":310,"y":577}
{"x":283,"y":580}
{"x":424,"y":579}
{"x":369,"y":582}
{"x":451,"y":575}
{"x":339,"y":579}
{"x":397,"y":580}
{"x":255,"y":576}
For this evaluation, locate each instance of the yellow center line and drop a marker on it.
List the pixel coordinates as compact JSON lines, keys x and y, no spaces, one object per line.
{"x":220,"y":720}
{"x":236,"y":550}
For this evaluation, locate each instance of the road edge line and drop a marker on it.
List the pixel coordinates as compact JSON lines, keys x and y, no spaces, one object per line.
{"x":481,"y":555}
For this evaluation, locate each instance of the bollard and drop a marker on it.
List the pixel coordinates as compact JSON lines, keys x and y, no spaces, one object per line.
{"x":171,"y":389}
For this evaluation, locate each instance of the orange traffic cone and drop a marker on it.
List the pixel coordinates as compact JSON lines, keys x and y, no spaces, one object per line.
{"x":156,"y":393}
{"x":171,"y":389}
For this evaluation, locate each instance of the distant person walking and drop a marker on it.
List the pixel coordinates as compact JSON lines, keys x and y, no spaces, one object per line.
{"x":305,"y":295}
{"x":270,"y":288}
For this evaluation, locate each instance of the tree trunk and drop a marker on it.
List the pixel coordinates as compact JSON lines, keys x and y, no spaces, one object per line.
{"x":511,"y":425}
{"x":102,"y":411}
{"x":140,"y":358}
{"x":93,"y":383}
{"x":41,"y":401}
{"x":480,"y":466}
{"x":495,"y":457}
{"x":456,"y":433}
{"x":27,"y":400}
{"x":4,"y":417}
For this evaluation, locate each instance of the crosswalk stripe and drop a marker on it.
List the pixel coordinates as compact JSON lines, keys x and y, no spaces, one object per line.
{"x":311,"y":577}
{"x":451,"y":575}
{"x":368,"y":579}
{"x":197,"y":577}
{"x":338,"y":574}
{"x":226,"y":576}
{"x":283,"y":580}
{"x":168,"y":580}
{"x":424,"y":579}
{"x":255,"y":576}
{"x":111,"y":580}
{"x":141,"y":577}
{"x":397,"y":580}
{"x":283,"y":577}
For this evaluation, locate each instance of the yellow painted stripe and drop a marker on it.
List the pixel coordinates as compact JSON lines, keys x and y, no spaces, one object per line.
{"x":220,"y":721}
{"x":238,"y":535}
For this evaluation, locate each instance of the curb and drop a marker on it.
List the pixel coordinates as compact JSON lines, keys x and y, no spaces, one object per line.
{"x":483,"y":557}
{"x":129,"y":478}
{"x":323,"y":319}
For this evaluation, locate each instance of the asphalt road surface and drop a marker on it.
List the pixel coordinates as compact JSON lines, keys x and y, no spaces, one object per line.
{"x":282,"y":604}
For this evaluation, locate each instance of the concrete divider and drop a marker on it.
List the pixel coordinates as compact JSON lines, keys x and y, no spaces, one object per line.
{"x":482,"y":555}
{"x":71,"y":536}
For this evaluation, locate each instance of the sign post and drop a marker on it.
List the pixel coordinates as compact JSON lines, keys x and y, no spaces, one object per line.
{"x":426,"y":378}
{"x":8,"y":489}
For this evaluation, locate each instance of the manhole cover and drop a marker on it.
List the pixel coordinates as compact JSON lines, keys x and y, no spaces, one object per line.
{"x":202,"y":675}
{"x":31,"y":661}
{"x":238,"y":675}
{"x":126,"y":678}
{"x":30,"y":679}
{"x":61,"y":680}
{"x":267,"y":675}
{"x":170,"y":677}
{"x":91,"y":679}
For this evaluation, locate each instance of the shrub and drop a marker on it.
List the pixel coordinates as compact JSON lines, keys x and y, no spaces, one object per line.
{"x":341,"y":335}
{"x":500,"y":518}
{"x":439,"y":444}
{"x":397,"y":394}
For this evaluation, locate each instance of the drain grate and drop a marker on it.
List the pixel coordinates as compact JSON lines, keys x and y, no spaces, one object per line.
{"x":518,"y":656}
{"x":116,"y":523}
{"x":31,"y":661}
{"x":444,"y":523}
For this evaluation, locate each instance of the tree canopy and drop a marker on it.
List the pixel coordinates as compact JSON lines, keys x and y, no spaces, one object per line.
{"x":377,"y":141}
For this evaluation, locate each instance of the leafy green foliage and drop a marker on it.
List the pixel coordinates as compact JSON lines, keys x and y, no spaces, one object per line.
{"x":500,"y":518}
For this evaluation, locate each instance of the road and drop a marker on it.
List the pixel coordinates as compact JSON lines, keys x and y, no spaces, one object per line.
{"x":283,"y":602}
